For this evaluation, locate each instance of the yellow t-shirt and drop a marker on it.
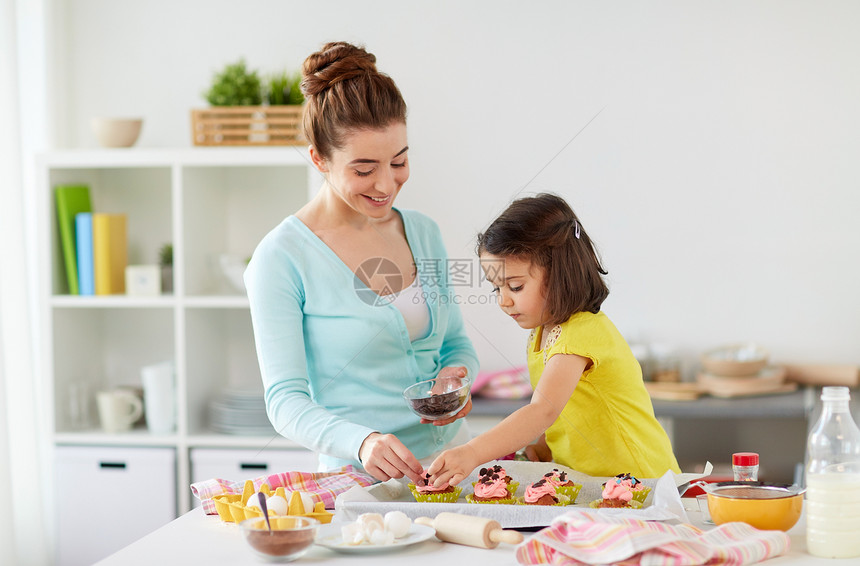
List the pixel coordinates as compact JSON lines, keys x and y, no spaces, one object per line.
{"x":607,"y":426}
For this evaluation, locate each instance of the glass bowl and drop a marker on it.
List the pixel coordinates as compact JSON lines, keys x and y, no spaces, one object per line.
{"x":438,"y":398}
{"x":290,"y":538}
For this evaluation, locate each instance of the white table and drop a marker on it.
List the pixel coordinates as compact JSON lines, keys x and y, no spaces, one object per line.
{"x":195,"y":538}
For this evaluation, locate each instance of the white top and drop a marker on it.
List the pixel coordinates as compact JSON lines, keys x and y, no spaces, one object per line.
{"x":412,"y":304}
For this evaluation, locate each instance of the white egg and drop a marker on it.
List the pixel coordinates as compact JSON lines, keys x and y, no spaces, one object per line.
{"x":397,"y":523}
{"x":352,"y":533}
{"x":277,"y":505}
{"x":254,"y":500}
{"x":370,"y":522}
{"x":380,"y":537}
{"x":307,"y":502}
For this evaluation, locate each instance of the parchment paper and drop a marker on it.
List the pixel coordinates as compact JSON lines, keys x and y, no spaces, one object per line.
{"x":662,"y":504}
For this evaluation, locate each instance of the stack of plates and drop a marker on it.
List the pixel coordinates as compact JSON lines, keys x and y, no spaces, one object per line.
{"x":240,"y":411}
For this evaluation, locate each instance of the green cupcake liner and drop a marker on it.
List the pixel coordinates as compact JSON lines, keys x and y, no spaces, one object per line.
{"x":470,"y":498}
{"x":633,"y":504}
{"x":438,"y":497}
{"x":572,"y":491}
{"x":641,"y":495}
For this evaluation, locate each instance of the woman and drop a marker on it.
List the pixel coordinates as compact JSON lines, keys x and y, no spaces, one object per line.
{"x":346,"y":297}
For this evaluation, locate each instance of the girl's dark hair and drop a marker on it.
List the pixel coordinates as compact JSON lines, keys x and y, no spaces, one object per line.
{"x":344,"y":92}
{"x":544,"y":229}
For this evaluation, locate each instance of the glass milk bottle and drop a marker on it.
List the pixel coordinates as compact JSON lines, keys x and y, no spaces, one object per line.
{"x":833,"y":480}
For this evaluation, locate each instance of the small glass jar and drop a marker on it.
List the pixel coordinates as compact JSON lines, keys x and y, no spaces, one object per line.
{"x":745,"y":466}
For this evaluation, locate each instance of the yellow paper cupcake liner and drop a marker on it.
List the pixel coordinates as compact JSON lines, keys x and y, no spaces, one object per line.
{"x":633,"y":504}
{"x":641,"y":495}
{"x":436,"y":497}
{"x":572,"y":491}
{"x":470,"y":498}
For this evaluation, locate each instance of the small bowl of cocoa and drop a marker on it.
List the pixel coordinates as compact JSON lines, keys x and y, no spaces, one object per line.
{"x":438,"y":398}
{"x":290,"y":537}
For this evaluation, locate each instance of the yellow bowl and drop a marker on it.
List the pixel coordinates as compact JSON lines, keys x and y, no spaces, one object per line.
{"x":765,"y":506}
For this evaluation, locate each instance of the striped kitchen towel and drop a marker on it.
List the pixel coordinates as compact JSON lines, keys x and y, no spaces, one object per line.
{"x":580,"y":537}
{"x":323,"y":486}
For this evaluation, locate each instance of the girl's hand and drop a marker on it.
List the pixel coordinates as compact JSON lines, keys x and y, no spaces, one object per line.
{"x":453,"y":466}
{"x":447,"y":372}
{"x":384,"y":457}
{"x":539,"y":451}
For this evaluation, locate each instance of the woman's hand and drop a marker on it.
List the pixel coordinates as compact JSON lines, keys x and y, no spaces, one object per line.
{"x":384,"y":457}
{"x":446,"y":372}
{"x":453,"y":466}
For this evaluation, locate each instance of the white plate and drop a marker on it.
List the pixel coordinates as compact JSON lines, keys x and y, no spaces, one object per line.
{"x":329,"y":536}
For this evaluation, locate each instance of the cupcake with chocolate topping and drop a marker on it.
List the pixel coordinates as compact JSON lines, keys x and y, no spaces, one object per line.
{"x":563,"y":484}
{"x":497,"y":473}
{"x":491,"y":487}
{"x":543,"y":493}
{"x":426,"y":491}
{"x":624,"y":491}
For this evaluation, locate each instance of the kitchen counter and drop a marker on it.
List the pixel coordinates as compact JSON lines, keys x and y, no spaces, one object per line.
{"x":797,"y":404}
{"x":195,"y":538}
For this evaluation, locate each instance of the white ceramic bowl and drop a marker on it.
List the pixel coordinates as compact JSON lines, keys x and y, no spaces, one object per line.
{"x":116,"y":132}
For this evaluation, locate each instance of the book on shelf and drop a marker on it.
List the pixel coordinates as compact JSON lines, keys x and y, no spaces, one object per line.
{"x":110,"y":253}
{"x":70,"y":200}
{"x":84,"y":246}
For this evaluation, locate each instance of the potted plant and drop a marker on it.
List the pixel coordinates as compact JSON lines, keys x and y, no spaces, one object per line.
{"x":238,"y":116}
{"x":165,"y":260}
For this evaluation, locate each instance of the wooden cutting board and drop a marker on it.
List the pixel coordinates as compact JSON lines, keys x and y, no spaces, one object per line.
{"x":668,"y":391}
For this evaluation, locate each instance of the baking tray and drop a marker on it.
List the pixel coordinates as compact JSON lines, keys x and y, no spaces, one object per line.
{"x":393,"y":495}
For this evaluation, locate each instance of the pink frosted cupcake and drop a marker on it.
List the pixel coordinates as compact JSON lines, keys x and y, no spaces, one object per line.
{"x":543,"y":493}
{"x":426,"y":491}
{"x":623,"y":491}
{"x":563,"y":484}
{"x":492,"y":487}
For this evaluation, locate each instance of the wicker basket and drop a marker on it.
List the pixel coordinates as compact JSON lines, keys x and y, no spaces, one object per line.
{"x":247,"y":125}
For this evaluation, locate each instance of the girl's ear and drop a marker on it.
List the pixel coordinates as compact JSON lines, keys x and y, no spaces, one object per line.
{"x":317,"y":159}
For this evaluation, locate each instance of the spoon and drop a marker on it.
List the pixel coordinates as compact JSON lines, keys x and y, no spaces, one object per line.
{"x":261,"y":497}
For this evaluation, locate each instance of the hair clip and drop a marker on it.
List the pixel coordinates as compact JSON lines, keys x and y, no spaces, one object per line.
{"x":576,"y":229}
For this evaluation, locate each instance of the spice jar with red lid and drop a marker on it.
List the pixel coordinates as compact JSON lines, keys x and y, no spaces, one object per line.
{"x":745,"y":466}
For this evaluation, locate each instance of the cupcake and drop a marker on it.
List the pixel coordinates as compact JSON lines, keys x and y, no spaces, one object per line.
{"x":625,"y":491}
{"x":543,"y":493}
{"x":427,"y":492}
{"x":563,"y":484}
{"x":491,"y":488}
{"x":497,"y":473}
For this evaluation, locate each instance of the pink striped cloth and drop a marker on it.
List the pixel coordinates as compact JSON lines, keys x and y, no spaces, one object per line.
{"x":323,"y":486}
{"x":579,"y":537}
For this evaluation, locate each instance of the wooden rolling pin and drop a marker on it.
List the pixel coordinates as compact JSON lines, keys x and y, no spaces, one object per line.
{"x":469,"y":530}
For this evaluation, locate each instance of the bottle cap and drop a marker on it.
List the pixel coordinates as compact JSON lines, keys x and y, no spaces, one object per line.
{"x":744,"y":459}
{"x":835,"y":394}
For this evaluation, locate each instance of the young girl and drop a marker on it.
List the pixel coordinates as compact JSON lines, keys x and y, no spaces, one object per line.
{"x":590,"y":410}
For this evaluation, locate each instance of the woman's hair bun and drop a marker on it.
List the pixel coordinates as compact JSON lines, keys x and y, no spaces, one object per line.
{"x":336,"y":62}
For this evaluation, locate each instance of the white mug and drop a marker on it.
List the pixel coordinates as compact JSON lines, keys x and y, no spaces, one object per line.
{"x":118,"y":409}
{"x":159,"y":397}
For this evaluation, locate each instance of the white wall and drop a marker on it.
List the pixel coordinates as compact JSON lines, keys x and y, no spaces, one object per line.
{"x":719,"y":176}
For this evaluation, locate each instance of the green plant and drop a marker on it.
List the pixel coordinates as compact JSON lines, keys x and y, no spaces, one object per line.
{"x":165,"y":255}
{"x":283,"y":88}
{"x":235,"y":86}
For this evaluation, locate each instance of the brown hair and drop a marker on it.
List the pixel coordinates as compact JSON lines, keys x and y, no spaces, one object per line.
{"x":545,"y":231}
{"x":344,"y":92}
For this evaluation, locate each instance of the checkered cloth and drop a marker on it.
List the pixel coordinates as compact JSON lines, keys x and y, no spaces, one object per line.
{"x":506,"y":384}
{"x":323,"y":486}
{"x":580,"y":537}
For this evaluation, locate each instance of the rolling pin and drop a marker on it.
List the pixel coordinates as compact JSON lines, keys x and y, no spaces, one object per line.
{"x":469,"y":530}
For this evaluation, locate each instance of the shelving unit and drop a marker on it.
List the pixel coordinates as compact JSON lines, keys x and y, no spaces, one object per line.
{"x":206,"y":202}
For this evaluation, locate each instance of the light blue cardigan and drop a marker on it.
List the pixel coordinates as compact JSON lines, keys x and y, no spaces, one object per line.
{"x":333,"y":366}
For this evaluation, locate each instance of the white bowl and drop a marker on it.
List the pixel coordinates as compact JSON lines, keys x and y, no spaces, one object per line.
{"x":116,"y":132}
